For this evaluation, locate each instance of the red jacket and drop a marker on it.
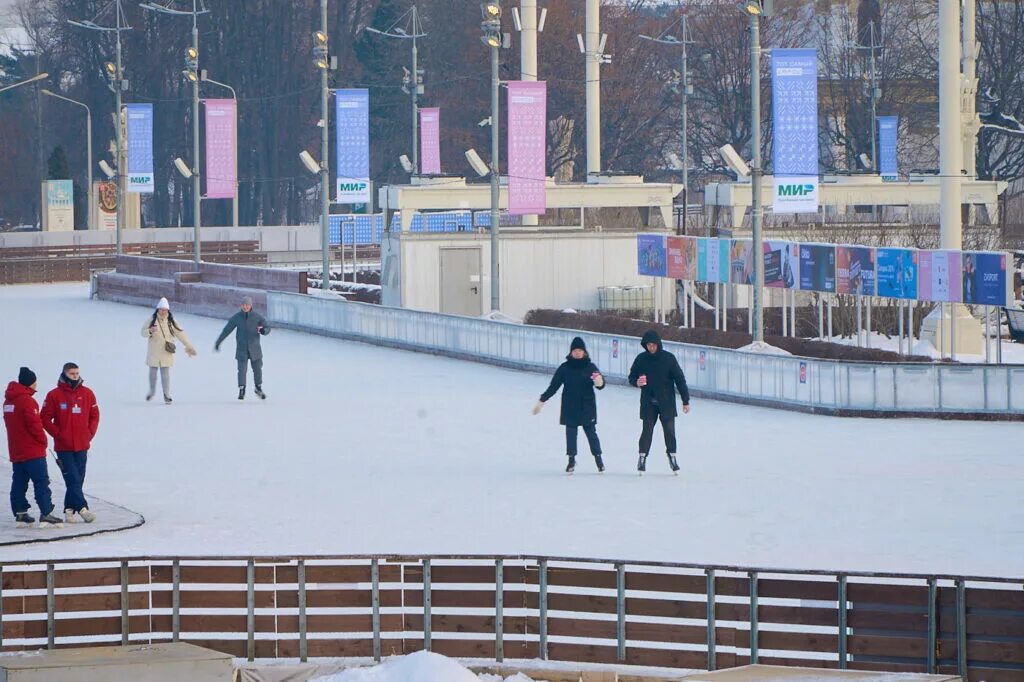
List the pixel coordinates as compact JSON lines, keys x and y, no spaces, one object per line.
{"x":25,"y":436}
{"x":71,"y":416}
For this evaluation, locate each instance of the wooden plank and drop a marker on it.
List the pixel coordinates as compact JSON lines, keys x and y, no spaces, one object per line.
{"x":24,"y":580}
{"x":86,"y":601}
{"x":206,"y":574}
{"x":666,"y":582}
{"x":99,"y":577}
{"x":345,"y":574}
{"x":581,"y":627}
{"x":791,"y":641}
{"x":979,"y":674}
{"x":794,"y":661}
{"x":581,"y":577}
{"x":581,"y":603}
{"x":286,"y":575}
{"x":440,"y":573}
{"x":903,"y":621}
{"x":995,"y":652}
{"x":482,"y":625}
{"x":877,"y":645}
{"x":462,"y":648}
{"x":998,"y":625}
{"x":889,"y":666}
{"x":99,"y":625}
{"x":1011,"y":598}
{"x":664,"y":608}
{"x":797,"y":589}
{"x":664,"y":632}
{"x":666,"y":658}
{"x":479,"y":599}
{"x":213,"y":599}
{"x":582,"y":653}
{"x":338,"y":598}
{"x":890,"y":595}
{"x":797,"y":615}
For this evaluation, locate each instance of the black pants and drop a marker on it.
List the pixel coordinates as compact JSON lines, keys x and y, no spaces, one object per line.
{"x":257,"y":371}
{"x":590,"y":430}
{"x":668,"y":426}
{"x":72,"y":468}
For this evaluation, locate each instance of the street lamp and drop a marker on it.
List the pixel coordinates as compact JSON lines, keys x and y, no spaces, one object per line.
{"x":88,"y":148}
{"x":33,"y":79}
{"x":492,"y":38}
{"x":234,"y":96}
{"x":191,"y":75}
{"x":756,"y":9}
{"x":412,"y":82}
{"x":324,"y":63}
{"x":116,"y":82}
{"x":686,"y":90}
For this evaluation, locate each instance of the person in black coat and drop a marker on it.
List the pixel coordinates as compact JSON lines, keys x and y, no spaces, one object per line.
{"x":248,"y":326}
{"x":658,"y":374}
{"x":578,"y":377}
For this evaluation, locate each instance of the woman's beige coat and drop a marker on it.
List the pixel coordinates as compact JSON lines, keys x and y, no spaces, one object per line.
{"x":156,"y":356}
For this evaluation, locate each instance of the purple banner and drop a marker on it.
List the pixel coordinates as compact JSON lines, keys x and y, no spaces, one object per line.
{"x":527,"y":147}
{"x":220,"y":148}
{"x":430,"y":141}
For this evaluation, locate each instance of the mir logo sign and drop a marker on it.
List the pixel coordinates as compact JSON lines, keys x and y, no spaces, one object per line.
{"x":799,"y":190}
{"x":352,"y":187}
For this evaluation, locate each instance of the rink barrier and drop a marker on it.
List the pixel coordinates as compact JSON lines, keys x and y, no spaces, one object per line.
{"x":607,"y":611}
{"x":973,"y":391}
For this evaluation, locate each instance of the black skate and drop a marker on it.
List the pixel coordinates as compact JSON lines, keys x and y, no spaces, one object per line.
{"x":24,"y":519}
{"x":600,"y":463}
{"x":167,"y":400}
{"x":260,"y":393}
{"x":51,"y":521}
{"x":641,"y":465}
{"x":241,"y":392}
{"x":571,"y":466}
{"x":673,"y":464}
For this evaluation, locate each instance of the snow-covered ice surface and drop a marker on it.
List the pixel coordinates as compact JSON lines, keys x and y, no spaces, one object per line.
{"x":362,"y":449}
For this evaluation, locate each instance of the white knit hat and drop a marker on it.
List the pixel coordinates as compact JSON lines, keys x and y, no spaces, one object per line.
{"x":162,"y":304}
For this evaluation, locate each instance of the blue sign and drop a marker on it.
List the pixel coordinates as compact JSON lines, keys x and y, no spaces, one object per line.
{"x":140,"y":148}
{"x":984,"y":278}
{"x":795,"y":130}
{"x":887,"y":129}
{"x":652,"y":257}
{"x":897,"y":273}
{"x":352,"y":128}
{"x":818,"y":267}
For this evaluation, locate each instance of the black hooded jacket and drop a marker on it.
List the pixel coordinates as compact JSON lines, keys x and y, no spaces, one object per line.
{"x":579,"y":403}
{"x":664,"y":376}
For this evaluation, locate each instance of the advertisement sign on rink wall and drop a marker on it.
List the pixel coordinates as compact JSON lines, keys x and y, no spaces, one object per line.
{"x":651,"y":255}
{"x":818,"y":267}
{"x":682,"y":258}
{"x":984,"y":278}
{"x":855,"y":270}
{"x":897,"y":273}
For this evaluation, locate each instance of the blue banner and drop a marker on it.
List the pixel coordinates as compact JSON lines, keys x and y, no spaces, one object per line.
{"x":795,"y":130}
{"x":984,"y":278}
{"x":818,"y":267}
{"x":887,"y":129}
{"x":352,"y":128}
{"x":897,"y":273}
{"x":140,"y":148}
{"x":651,"y":255}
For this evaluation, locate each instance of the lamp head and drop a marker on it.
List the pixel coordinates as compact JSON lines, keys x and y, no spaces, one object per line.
{"x":491,"y":9}
{"x":192,"y":53}
{"x":491,"y":40}
{"x":111,"y":69}
{"x":320,"y":38}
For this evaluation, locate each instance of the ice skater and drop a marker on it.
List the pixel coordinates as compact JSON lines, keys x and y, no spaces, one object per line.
{"x":657,"y":373}
{"x":161,"y":330}
{"x":26,"y":447}
{"x":71,"y":416}
{"x":248,"y":326}
{"x":577,"y":377}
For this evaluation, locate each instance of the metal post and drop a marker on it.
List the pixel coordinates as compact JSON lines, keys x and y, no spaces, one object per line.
{"x":303,"y":639}
{"x":988,"y":335}
{"x":753,"y":617}
{"x":125,"y":627}
{"x":499,"y":610}
{"x":868,"y":322}
{"x":592,"y":45}
{"x":175,"y":600}
{"x":49,"y":606}
{"x":375,"y":586}
{"x":899,"y":314}
{"x":755,"y":174}
{"x":325,"y":167}
{"x":874,"y":103}
{"x":620,"y":609}
{"x":234,"y":199}
{"x":250,"y":605}
{"x":842,"y":622}
{"x":933,"y":624}
{"x":792,"y":312}
{"x":196,"y":198}
{"x":961,"y":628}
{"x":121,"y":164}
{"x":711,"y":617}
{"x":415,"y":103}
{"x":830,"y":304}
{"x":821,"y":317}
{"x":860,"y":320}
{"x":686,"y":161}
{"x":495,"y":186}
{"x":543,"y":599}
{"x":950,"y":125}
{"x":426,"y":604}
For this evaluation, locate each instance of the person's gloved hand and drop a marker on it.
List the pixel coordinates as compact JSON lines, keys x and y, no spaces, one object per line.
{"x":538,"y":407}
{"x":216,"y":348}
{"x":597,"y":379}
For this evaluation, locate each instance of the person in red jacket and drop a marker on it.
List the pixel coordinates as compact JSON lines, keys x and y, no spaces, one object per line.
{"x":26,"y":446}
{"x":71,"y":416}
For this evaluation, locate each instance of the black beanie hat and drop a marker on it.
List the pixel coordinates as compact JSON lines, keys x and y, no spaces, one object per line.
{"x":577,"y":343}
{"x":26,"y":377}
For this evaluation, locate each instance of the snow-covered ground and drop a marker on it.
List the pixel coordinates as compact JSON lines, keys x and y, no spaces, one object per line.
{"x":362,"y":449}
{"x":1013,"y":353}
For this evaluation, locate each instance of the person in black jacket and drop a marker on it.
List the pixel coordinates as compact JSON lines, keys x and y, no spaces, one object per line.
{"x":578,"y":377}
{"x":657,"y":373}
{"x":248,"y":326}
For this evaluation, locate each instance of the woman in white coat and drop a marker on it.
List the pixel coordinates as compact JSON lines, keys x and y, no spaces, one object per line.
{"x":161,"y":330}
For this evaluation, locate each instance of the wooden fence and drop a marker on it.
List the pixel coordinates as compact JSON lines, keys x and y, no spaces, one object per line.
{"x":517,"y":607}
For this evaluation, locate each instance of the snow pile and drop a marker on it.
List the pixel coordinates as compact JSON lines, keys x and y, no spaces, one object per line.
{"x":498,"y":316}
{"x":763,"y":348}
{"x":422,"y":666}
{"x":927,"y":349}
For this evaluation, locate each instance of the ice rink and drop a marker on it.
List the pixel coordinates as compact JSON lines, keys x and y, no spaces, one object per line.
{"x":361,"y":449}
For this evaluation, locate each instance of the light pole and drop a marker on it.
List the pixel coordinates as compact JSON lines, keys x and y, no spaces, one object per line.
{"x":874,"y":91}
{"x":88,"y":149}
{"x":192,"y":75}
{"x":114,"y":72}
{"x":755,"y":8}
{"x":665,"y":39}
{"x":493,"y":39}
{"x":415,"y":79}
{"x":323,"y":61}
{"x":33,"y":79}
{"x":234,"y":96}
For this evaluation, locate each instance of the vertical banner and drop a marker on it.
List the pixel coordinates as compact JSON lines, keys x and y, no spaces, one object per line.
{"x":795,"y":130}
{"x":527,"y":147}
{"x":887,"y":129}
{"x":897,"y":273}
{"x":741,"y":261}
{"x":140,"y":148}
{"x":940,"y":276}
{"x":855,"y":270}
{"x":60,"y":205}
{"x":430,"y":141}
{"x":682,"y":258}
{"x":221,"y":119}
{"x":712,"y":259}
{"x":106,"y":205}
{"x":352,"y":131}
{"x":818,"y":268}
{"x":781,"y":264}
{"x":651,"y":255}
{"x":984,"y":278}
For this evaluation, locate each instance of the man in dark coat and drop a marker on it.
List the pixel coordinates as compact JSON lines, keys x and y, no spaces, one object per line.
{"x":657,"y":373}
{"x":248,"y":326}
{"x":577,"y":377}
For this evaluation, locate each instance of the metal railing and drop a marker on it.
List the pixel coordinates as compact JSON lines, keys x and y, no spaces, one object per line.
{"x":522,"y":607}
{"x":830,"y":386}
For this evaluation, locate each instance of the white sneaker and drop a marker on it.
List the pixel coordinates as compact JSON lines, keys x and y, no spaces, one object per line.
{"x":87,"y":515}
{"x":69,"y":516}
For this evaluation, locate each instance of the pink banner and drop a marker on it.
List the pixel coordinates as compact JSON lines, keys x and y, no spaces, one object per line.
{"x":220,"y":148}
{"x":527,"y":147}
{"x":939,"y":276}
{"x":430,"y":141}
